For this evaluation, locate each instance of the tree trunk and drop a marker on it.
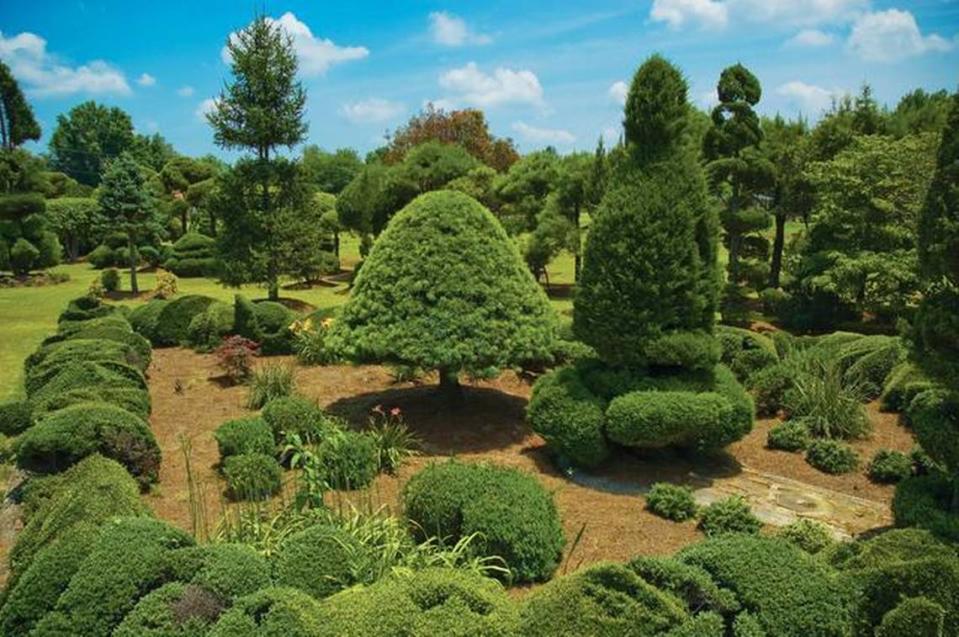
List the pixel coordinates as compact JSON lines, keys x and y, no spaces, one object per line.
{"x":450,"y":384}
{"x":212,"y":224}
{"x":336,"y":243}
{"x":776,"y":265}
{"x":577,"y":258}
{"x":184,"y":221}
{"x":272,"y":268}
{"x":734,"y":240}
{"x":134,"y":257}
{"x":955,"y":494}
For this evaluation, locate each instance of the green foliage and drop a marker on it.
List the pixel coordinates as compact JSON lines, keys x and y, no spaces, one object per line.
{"x":252,"y":476}
{"x":693,"y":586}
{"x":770,"y":386}
{"x":809,"y":535}
{"x":913,"y":617}
{"x":62,"y":438}
{"x":889,"y":466}
{"x":49,"y":360}
{"x":731,"y":515}
{"x":670,"y":501}
{"x":242,"y":436}
{"x":173,"y":320}
{"x":294,"y":415}
{"x":350,"y":460}
{"x":569,"y":417}
{"x":133,"y":399}
{"x":194,"y":255}
{"x":144,"y":318}
{"x":101,"y":257}
{"x":606,"y":599}
{"x":19,"y":124}
{"x":271,"y":611}
{"x":832,"y":456}
{"x":15,"y":417}
{"x":829,"y":407}
{"x":331,"y":171}
{"x":110,"y":280}
{"x":905,"y":382}
{"x":762,"y":573}
{"x":669,"y":418}
{"x":432,"y":601}
{"x":656,"y":113}
{"x":245,"y":323}
{"x":268,"y":383}
{"x":207,"y":329}
{"x":87,"y":138}
{"x":792,"y":435}
{"x":749,"y":363}
{"x":173,"y":610}
{"x":274,"y":320}
{"x":925,"y":502}
{"x":319,"y":560}
{"x":934,"y":416}
{"x":513,"y":514}
{"x":444,"y":288}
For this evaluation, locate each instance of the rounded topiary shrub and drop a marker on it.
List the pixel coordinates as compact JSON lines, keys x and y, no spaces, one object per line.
{"x":667,"y":418}
{"x":244,"y":435}
{"x":905,"y":382}
{"x":15,"y":417}
{"x":84,"y":308}
{"x":144,"y":318}
{"x":809,"y":535}
{"x":832,"y":456}
{"x":101,"y":257}
{"x":569,"y":417}
{"x":747,"y":363}
{"x":319,"y":560}
{"x":271,"y":611}
{"x":513,"y":514}
{"x":731,"y":515}
{"x":173,"y":320}
{"x":349,"y":459}
{"x":119,"y":332}
{"x":133,"y":399}
{"x":228,"y":570}
{"x":62,"y":438}
{"x":683,"y":350}
{"x":606,"y":599}
{"x":173,"y":610}
{"x":47,"y":361}
{"x":769,"y":387}
{"x":671,"y":501}
{"x":207,"y":329}
{"x":888,"y":466}
{"x":252,"y":476}
{"x":925,"y":502}
{"x":792,"y":435}
{"x":294,"y":415}
{"x":913,"y":617}
{"x":193,"y":255}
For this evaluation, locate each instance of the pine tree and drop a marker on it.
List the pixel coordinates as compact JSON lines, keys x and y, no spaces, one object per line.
{"x":17,"y":123}
{"x":124,"y":200}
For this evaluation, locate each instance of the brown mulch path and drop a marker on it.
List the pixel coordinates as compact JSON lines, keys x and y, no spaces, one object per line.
{"x":190,"y":401}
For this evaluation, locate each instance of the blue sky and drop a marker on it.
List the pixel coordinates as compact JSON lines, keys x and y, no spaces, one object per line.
{"x":545,"y":71}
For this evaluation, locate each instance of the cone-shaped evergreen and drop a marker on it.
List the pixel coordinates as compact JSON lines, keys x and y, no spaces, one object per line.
{"x":444,"y":288}
{"x":650,"y":261}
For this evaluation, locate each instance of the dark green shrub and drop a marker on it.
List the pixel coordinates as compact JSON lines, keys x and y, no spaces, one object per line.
{"x":268,"y":383}
{"x":432,"y":601}
{"x":207,"y":329}
{"x":870,"y":371}
{"x":252,"y":476}
{"x":63,"y":438}
{"x":84,"y":308}
{"x":93,"y":491}
{"x":49,"y":360}
{"x":193,"y":255}
{"x":173,"y":610}
{"x":131,"y":557}
{"x":244,"y":435}
{"x":792,"y":435}
{"x":913,"y":617}
{"x":110,"y":279}
{"x":101,"y":257}
{"x":144,"y":318}
{"x":228,"y":570}
{"x":294,"y":415}
{"x":149,"y":255}
{"x":350,"y":459}
{"x":271,"y":611}
{"x":89,"y":375}
{"x":671,"y":501}
{"x":809,"y":535}
{"x":702,"y":625}
{"x":769,"y":387}
{"x":788,"y":591}
{"x":905,"y":382}
{"x":319,"y":560}
{"x":244,"y":319}
{"x":832,"y":456}
{"x":731,"y":515}
{"x":889,"y":466}
{"x":934,"y":416}
{"x":66,"y":329}
{"x":514,"y":515}
{"x":925,"y":502}
{"x":173,"y":321}
{"x":273,"y":317}
{"x":690,"y":584}
{"x":830,"y":408}
{"x":748,"y":363}
{"x":132,"y":399}
{"x":606,"y":599}
{"x":922,"y":464}
{"x":684,"y":350}
{"x":569,"y":417}
{"x":118,"y":331}
{"x":667,"y":418}
{"x":16,"y":416}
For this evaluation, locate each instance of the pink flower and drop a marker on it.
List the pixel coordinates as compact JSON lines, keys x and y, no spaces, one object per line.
{"x":395,"y":411}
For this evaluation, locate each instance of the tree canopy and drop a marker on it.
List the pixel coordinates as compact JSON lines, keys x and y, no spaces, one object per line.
{"x":88,"y":137}
{"x":17,"y":123}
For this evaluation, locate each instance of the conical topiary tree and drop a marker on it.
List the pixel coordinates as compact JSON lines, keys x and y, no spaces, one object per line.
{"x":444,"y":288}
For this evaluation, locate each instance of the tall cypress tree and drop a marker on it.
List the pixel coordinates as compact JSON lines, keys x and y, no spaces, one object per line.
{"x":17,"y":123}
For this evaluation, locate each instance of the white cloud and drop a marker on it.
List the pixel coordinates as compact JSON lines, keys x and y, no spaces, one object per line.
{"x":185,"y":91}
{"x":886,"y":36}
{"x":43,"y":75}
{"x":205,"y":107}
{"x":811,"y":38}
{"x":543,"y":135}
{"x":618,"y":92}
{"x":716,"y":14}
{"x":677,"y":13}
{"x":441,"y":104}
{"x":808,"y":97}
{"x":373,"y":110}
{"x":146,"y":80}
{"x":504,"y":86}
{"x":315,"y":55}
{"x":450,"y":30}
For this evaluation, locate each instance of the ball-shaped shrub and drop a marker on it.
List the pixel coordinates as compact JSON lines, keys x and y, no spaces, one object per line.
{"x":229,"y":570}
{"x":244,"y":435}
{"x":62,"y":438}
{"x":173,"y":321}
{"x":606,"y":599}
{"x":431,"y":601}
{"x":294,"y":415}
{"x":888,"y":466}
{"x":445,"y":288}
{"x":110,"y":279}
{"x":769,"y":387}
{"x":671,"y":501}
{"x":349,"y":459}
{"x":832,"y":456}
{"x":252,"y":476}
{"x":792,"y":435}
{"x":569,"y":417}
{"x":934,"y":416}
{"x":319,"y":560}
{"x":207,"y":329}
{"x":16,"y":416}
{"x":748,"y":363}
{"x":101,"y":257}
{"x":193,"y":256}
{"x":913,"y":616}
{"x":731,"y":515}
{"x":926,"y":502}
{"x":666,"y":418}
{"x":173,"y":610}
{"x":145,"y":318}
{"x":514,"y":515}
{"x":809,"y":535}
{"x":271,"y":611}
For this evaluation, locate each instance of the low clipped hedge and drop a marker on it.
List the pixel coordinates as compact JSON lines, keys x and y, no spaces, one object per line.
{"x":913,"y":617}
{"x":905,"y":382}
{"x":271,"y":611}
{"x":89,"y":375}
{"x":144,"y":318}
{"x":133,"y":399}
{"x":431,"y":601}
{"x":64,"y":437}
{"x":606,"y":599}
{"x":252,"y":476}
{"x":88,"y":307}
{"x":671,"y":501}
{"x":318,"y":560}
{"x":668,"y":419}
{"x":120,"y":332}
{"x":47,"y":361}
{"x":514,"y":515}
{"x":244,"y":435}
{"x":569,"y":417}
{"x":787,"y":591}
{"x":16,"y":416}
{"x":294,"y":415}
{"x":230,"y":571}
{"x":832,"y":456}
{"x":690,"y":584}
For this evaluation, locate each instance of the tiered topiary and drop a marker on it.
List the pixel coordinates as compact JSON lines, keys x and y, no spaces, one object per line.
{"x":26,"y":243}
{"x":194,"y":255}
